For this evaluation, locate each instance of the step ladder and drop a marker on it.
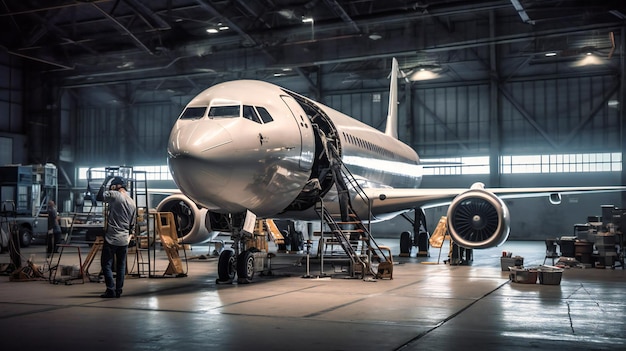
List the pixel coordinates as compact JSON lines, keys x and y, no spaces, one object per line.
{"x":143,"y":224}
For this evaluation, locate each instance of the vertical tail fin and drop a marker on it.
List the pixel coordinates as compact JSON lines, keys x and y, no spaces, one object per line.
{"x":392,"y":113}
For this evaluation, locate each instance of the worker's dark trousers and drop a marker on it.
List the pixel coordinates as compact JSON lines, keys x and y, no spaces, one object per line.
{"x":117,"y":253}
{"x":52,"y":240}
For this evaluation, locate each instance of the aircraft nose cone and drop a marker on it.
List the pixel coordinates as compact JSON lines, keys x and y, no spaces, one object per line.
{"x":198,"y":140}
{"x":197,"y":161}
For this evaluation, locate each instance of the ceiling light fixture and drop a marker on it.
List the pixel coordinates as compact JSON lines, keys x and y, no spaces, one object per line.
{"x":212,"y":30}
{"x":550,"y":54}
{"x":312,"y":21}
{"x":423,"y":74}
{"x":375,"y":36}
{"x":127,"y":64}
{"x":287,"y":13}
{"x":588,"y":60}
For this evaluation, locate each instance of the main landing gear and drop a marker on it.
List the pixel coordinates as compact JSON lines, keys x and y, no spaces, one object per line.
{"x":249,"y":253}
{"x":244,"y":266}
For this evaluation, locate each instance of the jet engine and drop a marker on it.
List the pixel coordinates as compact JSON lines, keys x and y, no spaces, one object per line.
{"x":192,"y":222}
{"x":478,"y":219}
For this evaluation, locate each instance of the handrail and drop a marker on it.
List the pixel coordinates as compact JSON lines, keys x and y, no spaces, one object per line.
{"x":359,"y":191}
{"x":372,"y":246}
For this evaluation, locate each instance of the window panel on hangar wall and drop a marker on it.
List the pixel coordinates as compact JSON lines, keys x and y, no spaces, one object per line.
{"x":153,"y":124}
{"x":11,"y":98}
{"x":561,"y":109}
{"x":96,"y":136}
{"x":446,"y":118}
{"x":361,"y":106}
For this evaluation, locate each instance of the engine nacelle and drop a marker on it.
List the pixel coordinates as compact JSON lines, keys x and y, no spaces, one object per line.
{"x":478,"y":219}
{"x":192,"y":223}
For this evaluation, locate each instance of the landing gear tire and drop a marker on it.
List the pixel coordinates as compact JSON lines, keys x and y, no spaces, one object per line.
{"x":245,"y":267}
{"x":226,"y":266}
{"x":26,"y":236}
{"x":405,"y":243}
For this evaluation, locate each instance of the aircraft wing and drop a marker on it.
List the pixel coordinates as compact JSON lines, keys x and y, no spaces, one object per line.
{"x":386,"y":199}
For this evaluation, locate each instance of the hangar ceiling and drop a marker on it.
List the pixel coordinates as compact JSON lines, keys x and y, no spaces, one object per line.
{"x":162,"y":49}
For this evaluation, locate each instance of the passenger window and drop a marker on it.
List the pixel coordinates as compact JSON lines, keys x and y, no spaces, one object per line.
{"x":250,"y":113}
{"x":265,"y":116}
{"x":193,"y":113}
{"x":224,"y":111}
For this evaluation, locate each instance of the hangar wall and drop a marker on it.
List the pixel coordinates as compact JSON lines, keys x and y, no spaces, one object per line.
{"x":536,"y":116}
{"x":132,"y":135}
{"x":569,"y":114}
{"x":12,"y":138}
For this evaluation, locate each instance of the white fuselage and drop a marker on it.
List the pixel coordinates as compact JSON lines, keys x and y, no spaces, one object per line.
{"x":228,"y":156}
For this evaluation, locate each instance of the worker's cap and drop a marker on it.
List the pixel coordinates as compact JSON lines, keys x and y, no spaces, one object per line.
{"x":119,"y":181}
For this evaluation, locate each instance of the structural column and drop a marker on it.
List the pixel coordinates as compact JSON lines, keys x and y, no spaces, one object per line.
{"x":494,"y":117}
{"x":622,"y":106}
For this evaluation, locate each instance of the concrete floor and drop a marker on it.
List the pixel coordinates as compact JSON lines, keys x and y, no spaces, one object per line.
{"x":424,"y":307}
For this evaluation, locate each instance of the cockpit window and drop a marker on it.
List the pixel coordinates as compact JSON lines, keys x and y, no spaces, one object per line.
{"x":250,"y":113}
{"x":265,"y":116}
{"x":224,"y":111}
{"x":193,"y":113}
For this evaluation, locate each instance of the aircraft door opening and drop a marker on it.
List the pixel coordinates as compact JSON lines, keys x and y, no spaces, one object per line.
{"x":307,"y":140}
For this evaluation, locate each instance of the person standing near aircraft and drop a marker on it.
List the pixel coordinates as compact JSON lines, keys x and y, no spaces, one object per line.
{"x":54,"y":229}
{"x":120,"y":223}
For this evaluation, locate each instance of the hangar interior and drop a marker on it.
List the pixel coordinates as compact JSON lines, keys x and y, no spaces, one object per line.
{"x":510,"y":93}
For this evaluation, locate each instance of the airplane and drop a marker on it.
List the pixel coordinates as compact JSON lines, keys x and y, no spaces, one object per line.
{"x":249,"y":146}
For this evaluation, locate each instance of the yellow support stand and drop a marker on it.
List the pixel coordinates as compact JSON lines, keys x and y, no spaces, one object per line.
{"x":439,"y":236}
{"x":275,"y":233}
{"x":385,"y":268}
{"x":95,"y":247}
{"x":169,"y":240}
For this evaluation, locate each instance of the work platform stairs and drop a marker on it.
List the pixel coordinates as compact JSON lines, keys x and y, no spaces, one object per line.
{"x":366,"y":257}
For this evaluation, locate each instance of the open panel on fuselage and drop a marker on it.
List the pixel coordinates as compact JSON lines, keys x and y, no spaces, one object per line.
{"x":320,"y":171}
